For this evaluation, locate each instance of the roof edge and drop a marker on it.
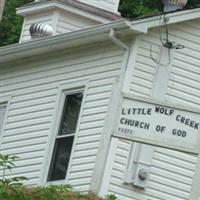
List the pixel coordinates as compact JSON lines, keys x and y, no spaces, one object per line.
{"x":91,"y":34}
{"x":143,"y":24}
{"x":70,"y":6}
{"x":59,"y":42}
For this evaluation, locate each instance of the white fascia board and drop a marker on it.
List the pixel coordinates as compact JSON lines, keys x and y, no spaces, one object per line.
{"x":36,"y":8}
{"x":143,"y":25}
{"x":89,"y":35}
{"x":106,"y":5}
{"x":44,"y":6}
{"x":63,"y":41}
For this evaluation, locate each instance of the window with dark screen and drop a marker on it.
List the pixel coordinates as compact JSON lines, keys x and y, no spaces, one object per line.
{"x":65,"y":137}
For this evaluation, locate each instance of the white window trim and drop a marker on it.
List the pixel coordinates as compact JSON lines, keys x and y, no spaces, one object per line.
{"x":4,"y":101}
{"x":64,"y":88}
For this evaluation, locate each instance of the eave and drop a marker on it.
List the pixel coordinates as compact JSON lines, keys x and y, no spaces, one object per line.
{"x":91,"y":35}
{"x":80,"y":10}
{"x":59,"y":42}
{"x":146,"y":23}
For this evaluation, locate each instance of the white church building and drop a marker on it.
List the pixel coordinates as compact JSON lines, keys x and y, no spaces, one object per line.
{"x":105,"y":104}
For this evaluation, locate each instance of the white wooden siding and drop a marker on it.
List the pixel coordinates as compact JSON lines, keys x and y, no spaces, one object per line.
{"x":33,"y":86}
{"x":184,"y":81}
{"x":61,"y":21}
{"x":143,"y":73}
{"x":110,"y":5}
{"x":68,"y":22}
{"x":172,"y":172}
{"x":45,"y":18}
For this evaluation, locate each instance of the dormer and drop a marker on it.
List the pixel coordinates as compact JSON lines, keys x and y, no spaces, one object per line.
{"x":67,"y":15}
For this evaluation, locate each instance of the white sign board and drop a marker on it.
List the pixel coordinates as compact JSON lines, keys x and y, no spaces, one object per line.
{"x":159,"y":124}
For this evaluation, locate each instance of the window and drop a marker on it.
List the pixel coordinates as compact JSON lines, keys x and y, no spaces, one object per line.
{"x":2,"y":115}
{"x":65,"y":137}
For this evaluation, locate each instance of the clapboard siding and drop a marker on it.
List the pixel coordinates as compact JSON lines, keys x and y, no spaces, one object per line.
{"x":172,"y":172}
{"x":171,"y":175}
{"x":184,"y":81}
{"x":61,"y":22}
{"x":33,"y":87}
{"x":44,"y":18}
{"x":92,"y":123}
{"x":68,"y":22}
{"x":110,"y":5}
{"x":144,"y":67}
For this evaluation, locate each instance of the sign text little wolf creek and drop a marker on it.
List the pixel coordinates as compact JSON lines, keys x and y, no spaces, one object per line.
{"x":159,"y":124}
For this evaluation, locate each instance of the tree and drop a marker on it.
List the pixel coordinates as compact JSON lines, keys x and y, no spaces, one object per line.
{"x":135,"y":8}
{"x":10,"y":26}
{"x":11,"y":23}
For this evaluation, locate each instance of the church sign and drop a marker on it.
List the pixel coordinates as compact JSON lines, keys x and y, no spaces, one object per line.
{"x":159,"y":124}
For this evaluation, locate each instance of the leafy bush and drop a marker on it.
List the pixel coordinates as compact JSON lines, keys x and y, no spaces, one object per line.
{"x":13,"y":189}
{"x":7,"y":163}
{"x":111,"y":197}
{"x":46,"y":193}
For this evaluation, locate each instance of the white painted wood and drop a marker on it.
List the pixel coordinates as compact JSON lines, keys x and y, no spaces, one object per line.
{"x":162,"y":73}
{"x":64,"y":89}
{"x":195,"y":192}
{"x":110,"y":5}
{"x":68,"y":22}
{"x":31,"y":115}
{"x":56,"y":16}
{"x":2,"y":115}
{"x":108,"y":168}
{"x":62,"y":17}
{"x":45,"y":18}
{"x":4,"y":105}
{"x":174,"y":175}
{"x":131,"y":63}
{"x":115,"y":100}
{"x":34,"y":88}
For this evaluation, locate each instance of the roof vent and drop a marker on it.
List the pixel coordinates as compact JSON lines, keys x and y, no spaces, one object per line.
{"x":40,"y":31}
{"x":173,"y":5}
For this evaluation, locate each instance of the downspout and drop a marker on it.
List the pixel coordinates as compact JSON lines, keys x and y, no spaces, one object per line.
{"x":117,"y":41}
{"x":100,"y":182}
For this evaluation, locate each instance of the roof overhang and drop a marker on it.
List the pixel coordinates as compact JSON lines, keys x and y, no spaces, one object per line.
{"x":76,"y":8}
{"x":59,"y":42}
{"x":90,"y":35}
{"x":144,"y":24}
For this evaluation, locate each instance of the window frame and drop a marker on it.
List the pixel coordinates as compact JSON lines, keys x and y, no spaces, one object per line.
{"x":64,"y":89}
{"x":60,"y":137}
{"x":4,"y":102}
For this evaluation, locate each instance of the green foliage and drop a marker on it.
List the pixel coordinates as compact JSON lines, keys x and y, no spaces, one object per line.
{"x":8,"y":185}
{"x":193,"y":3}
{"x":7,"y":164}
{"x":11,"y":24}
{"x":46,"y":193}
{"x":13,"y":189}
{"x":111,"y":197}
{"x":136,"y":8}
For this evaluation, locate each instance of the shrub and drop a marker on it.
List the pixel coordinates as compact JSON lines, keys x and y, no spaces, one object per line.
{"x":13,"y":189}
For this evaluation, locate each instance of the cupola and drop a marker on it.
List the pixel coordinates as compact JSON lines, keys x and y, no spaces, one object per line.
{"x":65,"y":16}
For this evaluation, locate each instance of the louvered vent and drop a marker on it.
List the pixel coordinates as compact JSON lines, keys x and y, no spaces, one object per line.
{"x":40,"y":31}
